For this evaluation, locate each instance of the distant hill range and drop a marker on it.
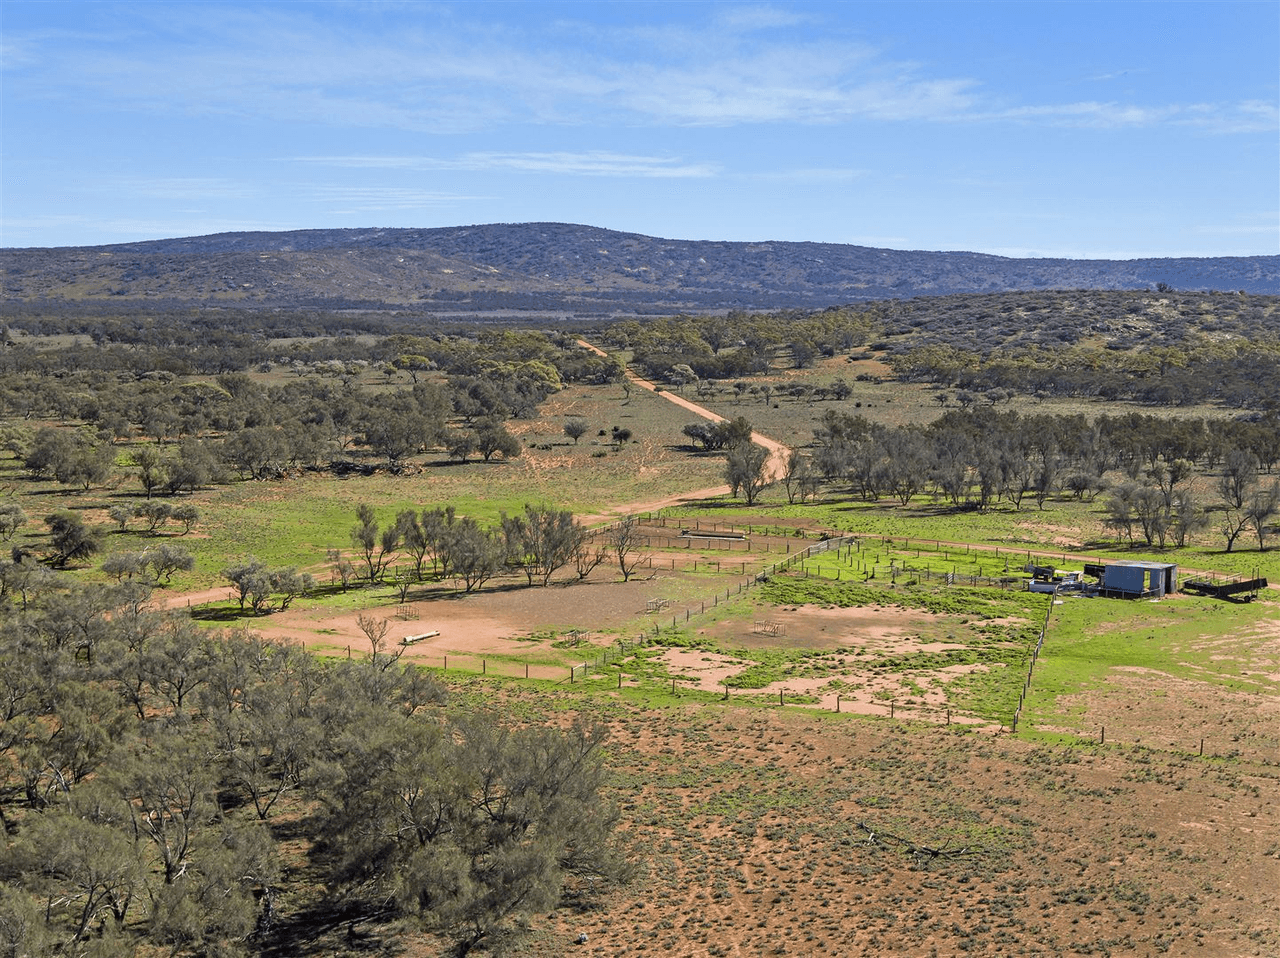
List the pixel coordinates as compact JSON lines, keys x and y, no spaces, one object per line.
{"x":554,"y":267}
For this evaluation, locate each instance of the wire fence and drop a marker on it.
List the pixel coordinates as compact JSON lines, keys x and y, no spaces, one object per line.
{"x":864,"y":554}
{"x":1031,"y":662}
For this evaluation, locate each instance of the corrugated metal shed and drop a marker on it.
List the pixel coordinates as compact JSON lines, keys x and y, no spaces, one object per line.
{"x":1135,"y":579}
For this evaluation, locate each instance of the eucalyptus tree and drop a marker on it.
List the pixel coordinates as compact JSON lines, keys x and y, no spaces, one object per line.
{"x":542,"y":540}
{"x":194,"y":465}
{"x":472,"y":553}
{"x":493,"y":438}
{"x":71,"y":538}
{"x":414,"y":541}
{"x":257,"y":452}
{"x":745,"y":470}
{"x":250,"y":581}
{"x":376,"y":548}
{"x":70,"y":457}
{"x":798,"y":475}
{"x":168,"y":790}
{"x":1261,"y":508}
{"x":398,"y":429}
{"x":152,"y":466}
{"x":12,"y":518}
{"x":626,"y":543}
{"x":1236,"y":485}
{"x":1188,"y":516}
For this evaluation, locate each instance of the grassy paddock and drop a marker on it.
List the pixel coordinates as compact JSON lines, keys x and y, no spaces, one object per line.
{"x":298,"y":521}
{"x":1162,"y":673}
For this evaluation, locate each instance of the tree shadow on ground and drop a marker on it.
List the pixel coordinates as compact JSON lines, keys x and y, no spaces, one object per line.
{"x":330,"y":929}
{"x":222,"y":614}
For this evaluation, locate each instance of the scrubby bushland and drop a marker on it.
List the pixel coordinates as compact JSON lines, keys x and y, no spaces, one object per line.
{"x":144,"y":764}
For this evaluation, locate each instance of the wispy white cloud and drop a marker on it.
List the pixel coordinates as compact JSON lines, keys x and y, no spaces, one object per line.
{"x":758,"y":17}
{"x":1112,"y":75}
{"x":1244,"y":229}
{"x":1251,"y":116}
{"x":589,"y":163}
{"x":423,"y":68}
{"x":708,"y":98}
{"x":368,"y":199}
{"x":1086,"y":113}
{"x":599,"y":163}
{"x":372,"y":162}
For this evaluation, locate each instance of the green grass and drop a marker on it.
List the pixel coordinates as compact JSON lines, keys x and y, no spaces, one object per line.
{"x":1087,"y":639}
{"x":297,"y":521}
{"x":936,"y":598}
{"x":993,"y":628}
{"x":1219,"y":649}
{"x":1000,"y":538}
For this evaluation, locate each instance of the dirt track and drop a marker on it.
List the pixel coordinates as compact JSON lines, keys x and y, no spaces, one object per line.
{"x":778,"y":453}
{"x":471,"y":626}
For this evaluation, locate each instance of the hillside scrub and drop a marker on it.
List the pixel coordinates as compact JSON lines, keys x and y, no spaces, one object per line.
{"x":149,"y":770}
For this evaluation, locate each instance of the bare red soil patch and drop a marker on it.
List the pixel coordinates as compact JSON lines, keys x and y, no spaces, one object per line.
{"x":511,"y":621}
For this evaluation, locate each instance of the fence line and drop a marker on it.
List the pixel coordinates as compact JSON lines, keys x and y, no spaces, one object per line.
{"x":622,"y":648}
{"x":1031,"y":664}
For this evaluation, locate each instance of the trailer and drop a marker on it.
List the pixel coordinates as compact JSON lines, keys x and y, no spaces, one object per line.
{"x":1048,"y":579}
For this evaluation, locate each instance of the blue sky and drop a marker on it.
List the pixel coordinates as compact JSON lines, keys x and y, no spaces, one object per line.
{"x":1111,"y":129}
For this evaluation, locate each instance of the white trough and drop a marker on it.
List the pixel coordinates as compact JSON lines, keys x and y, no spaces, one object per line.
{"x":410,"y":639}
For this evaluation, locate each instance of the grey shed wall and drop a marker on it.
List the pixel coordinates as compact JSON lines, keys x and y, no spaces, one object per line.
{"x":1154,"y":579}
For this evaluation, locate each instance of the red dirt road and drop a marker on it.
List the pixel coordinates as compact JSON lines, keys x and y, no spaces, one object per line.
{"x":778,"y":453}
